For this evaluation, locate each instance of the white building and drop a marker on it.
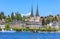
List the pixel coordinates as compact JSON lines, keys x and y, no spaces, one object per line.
{"x":2,"y":26}
{"x":54,"y":24}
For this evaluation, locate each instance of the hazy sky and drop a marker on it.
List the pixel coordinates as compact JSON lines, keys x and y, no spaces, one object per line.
{"x":45,"y":7}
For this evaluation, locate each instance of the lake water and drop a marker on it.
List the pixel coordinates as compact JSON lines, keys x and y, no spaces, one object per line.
{"x":28,"y":35}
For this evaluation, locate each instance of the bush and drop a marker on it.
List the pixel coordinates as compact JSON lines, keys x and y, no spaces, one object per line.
{"x":7,"y":27}
{"x":0,"y":29}
{"x":17,"y":29}
{"x":27,"y":29}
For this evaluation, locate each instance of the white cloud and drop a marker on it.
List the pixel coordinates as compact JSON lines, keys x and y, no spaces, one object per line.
{"x":28,"y":14}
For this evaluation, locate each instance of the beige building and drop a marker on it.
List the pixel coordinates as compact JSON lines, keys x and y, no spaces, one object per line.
{"x":36,"y":19}
{"x":34,"y":25}
{"x":17,"y":24}
{"x":2,"y":23}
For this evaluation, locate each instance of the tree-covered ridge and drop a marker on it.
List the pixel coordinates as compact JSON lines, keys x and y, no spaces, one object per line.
{"x":13,"y":16}
{"x":18,"y":16}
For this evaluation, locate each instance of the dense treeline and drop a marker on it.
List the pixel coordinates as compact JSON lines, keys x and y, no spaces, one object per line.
{"x":13,"y":16}
{"x":18,"y":16}
{"x":50,"y":18}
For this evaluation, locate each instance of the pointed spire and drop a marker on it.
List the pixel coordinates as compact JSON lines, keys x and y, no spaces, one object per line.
{"x":32,"y":12}
{"x":37,"y":13}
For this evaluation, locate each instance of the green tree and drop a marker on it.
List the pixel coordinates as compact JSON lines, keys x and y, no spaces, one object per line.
{"x":49,"y":28}
{"x":2,"y":16}
{"x":47,"y":21}
{"x":7,"y":26}
{"x":58,"y":14}
{"x":12,"y":16}
{"x":0,"y":29}
{"x":23,"y":18}
{"x":8,"y":19}
{"x":58,"y":17}
{"x":44,"y":22}
{"x":50,"y":18}
{"x":18,"y":16}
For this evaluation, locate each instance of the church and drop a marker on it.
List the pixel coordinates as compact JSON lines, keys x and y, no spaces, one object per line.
{"x":35,"y":18}
{"x":34,"y":22}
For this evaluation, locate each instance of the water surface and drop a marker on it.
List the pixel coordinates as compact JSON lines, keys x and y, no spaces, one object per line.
{"x":28,"y":35}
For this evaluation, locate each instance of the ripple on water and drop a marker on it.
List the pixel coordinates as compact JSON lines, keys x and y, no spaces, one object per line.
{"x":29,"y":35}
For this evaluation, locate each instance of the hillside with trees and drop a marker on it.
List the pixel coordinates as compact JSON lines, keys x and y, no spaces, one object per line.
{"x":17,"y":16}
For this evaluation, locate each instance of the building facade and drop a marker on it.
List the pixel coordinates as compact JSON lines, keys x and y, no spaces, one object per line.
{"x":34,"y":25}
{"x":17,"y":24}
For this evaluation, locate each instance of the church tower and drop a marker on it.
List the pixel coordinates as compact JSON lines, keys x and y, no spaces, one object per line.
{"x":32,"y":15}
{"x":37,"y":12}
{"x":35,"y":18}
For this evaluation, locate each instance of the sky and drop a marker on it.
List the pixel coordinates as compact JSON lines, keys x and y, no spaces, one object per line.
{"x":45,"y":7}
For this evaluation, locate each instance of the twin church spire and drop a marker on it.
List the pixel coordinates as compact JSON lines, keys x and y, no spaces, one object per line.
{"x":32,"y":15}
{"x":37,"y":12}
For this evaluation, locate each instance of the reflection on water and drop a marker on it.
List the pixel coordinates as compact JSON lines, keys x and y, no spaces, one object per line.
{"x":29,"y":35}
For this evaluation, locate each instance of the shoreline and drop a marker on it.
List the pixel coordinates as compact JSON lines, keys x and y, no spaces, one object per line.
{"x":33,"y":32}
